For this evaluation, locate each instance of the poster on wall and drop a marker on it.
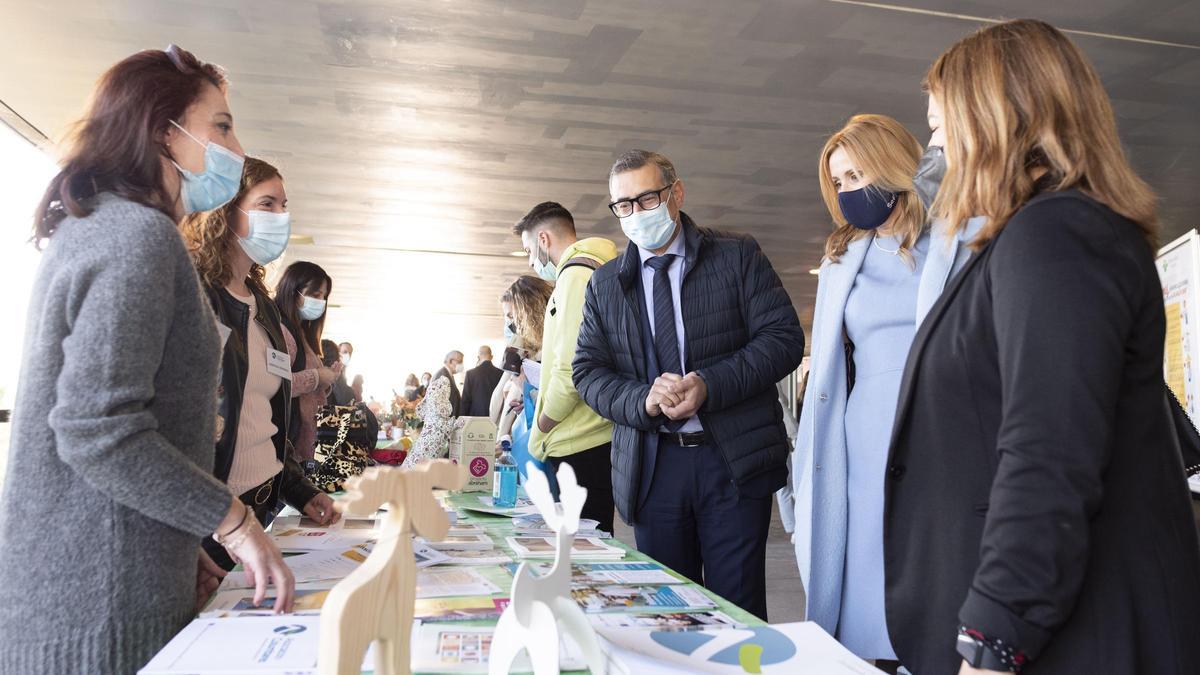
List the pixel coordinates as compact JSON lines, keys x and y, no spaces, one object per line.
{"x":1179,"y":271}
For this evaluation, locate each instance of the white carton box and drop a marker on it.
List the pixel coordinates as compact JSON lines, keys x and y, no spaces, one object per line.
{"x":473,"y":444}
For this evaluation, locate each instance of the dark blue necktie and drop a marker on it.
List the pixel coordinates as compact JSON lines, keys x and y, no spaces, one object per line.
{"x":666,"y":341}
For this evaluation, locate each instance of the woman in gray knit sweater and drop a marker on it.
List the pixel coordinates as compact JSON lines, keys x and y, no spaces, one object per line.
{"x":109,"y":488}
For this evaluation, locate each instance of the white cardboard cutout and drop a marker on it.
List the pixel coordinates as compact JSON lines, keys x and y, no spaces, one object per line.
{"x":540,"y":603}
{"x":375,"y":603}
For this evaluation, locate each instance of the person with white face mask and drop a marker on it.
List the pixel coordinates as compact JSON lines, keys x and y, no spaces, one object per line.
{"x":451,"y":367}
{"x":682,"y":341}
{"x":565,"y":429}
{"x":341,"y":393}
{"x":229,"y":247}
{"x":301,"y":296}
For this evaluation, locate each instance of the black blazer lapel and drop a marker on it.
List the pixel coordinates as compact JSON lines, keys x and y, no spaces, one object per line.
{"x":917,"y":351}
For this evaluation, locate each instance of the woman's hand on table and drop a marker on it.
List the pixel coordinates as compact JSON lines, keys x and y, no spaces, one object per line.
{"x":251,"y":547}
{"x":320,"y":509}
{"x":208,"y":578}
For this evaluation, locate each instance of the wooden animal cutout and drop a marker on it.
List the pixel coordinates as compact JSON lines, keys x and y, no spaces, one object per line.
{"x":540,"y":603}
{"x":375,"y":603}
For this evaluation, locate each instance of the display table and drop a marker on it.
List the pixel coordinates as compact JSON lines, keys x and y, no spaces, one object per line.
{"x":499,"y":527}
{"x":297,"y":633}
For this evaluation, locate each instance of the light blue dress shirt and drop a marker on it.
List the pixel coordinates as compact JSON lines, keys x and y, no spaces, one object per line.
{"x":675,"y":274}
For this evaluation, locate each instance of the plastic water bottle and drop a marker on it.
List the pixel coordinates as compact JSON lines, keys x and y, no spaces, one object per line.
{"x":504,"y":478}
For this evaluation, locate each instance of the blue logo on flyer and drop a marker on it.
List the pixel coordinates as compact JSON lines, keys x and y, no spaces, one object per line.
{"x":776,"y":647}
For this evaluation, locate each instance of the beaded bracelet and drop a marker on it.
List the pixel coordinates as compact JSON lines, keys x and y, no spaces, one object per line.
{"x":226,"y":540}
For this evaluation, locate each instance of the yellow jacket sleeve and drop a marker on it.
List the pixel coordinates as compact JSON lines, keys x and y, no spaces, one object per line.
{"x":558,"y":397}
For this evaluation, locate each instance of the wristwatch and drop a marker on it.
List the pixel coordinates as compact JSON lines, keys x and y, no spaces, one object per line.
{"x":978,"y":654}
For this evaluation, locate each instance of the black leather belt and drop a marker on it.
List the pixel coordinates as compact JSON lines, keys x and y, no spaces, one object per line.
{"x":685,"y":440}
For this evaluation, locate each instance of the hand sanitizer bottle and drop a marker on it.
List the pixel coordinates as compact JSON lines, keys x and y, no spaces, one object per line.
{"x":504,"y":479}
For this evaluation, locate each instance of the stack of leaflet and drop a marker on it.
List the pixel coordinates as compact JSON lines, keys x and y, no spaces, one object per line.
{"x":233,"y":599}
{"x":591,"y":574}
{"x":589,"y":548}
{"x":535,"y":526}
{"x":640,"y":598}
{"x":335,"y":564}
{"x":445,"y":648}
{"x":666,"y":621}
{"x":303,"y":534}
{"x":484,"y":504}
{"x":463,"y":538}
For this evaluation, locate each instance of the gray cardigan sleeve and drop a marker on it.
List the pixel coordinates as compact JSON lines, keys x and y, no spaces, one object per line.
{"x":120,"y":311}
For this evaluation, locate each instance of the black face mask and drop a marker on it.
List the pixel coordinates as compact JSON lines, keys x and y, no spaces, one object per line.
{"x":930,"y":172}
{"x":867,"y":208}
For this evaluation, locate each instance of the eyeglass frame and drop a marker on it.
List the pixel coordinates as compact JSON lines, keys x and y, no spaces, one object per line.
{"x":612,"y":206}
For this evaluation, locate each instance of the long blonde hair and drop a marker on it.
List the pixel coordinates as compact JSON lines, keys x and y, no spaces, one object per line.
{"x":210,"y":238}
{"x":888,"y":154}
{"x":529,"y":296}
{"x":1020,"y":96}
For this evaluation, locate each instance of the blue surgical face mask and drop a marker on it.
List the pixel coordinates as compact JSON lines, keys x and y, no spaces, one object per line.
{"x":867,"y":208}
{"x":218,"y":184}
{"x":650,"y":229}
{"x":544,"y":268}
{"x":268,"y":238}
{"x":510,"y":331}
{"x":312,"y":308}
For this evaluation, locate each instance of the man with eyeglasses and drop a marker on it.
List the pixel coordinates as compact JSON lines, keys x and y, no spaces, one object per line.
{"x":683,"y":339}
{"x":565,"y":429}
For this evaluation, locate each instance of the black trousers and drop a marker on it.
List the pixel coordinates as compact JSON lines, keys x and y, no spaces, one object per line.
{"x":695,"y":522}
{"x":593,"y":470}
{"x":262,"y":500}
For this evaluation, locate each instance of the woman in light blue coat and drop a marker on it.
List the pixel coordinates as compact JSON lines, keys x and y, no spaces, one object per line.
{"x":865,"y":319}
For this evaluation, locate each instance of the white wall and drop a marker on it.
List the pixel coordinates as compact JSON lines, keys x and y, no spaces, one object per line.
{"x":24,"y":172}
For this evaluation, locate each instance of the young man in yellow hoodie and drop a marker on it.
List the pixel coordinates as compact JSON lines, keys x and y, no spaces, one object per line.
{"x":566,"y":429}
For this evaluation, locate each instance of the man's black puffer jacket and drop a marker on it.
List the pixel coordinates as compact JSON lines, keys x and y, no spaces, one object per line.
{"x":742,"y":336}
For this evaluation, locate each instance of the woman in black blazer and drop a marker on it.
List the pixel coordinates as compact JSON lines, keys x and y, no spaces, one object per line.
{"x":1037,"y":517}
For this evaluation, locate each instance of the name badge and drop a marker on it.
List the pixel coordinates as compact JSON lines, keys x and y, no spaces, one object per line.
{"x":279,"y":364}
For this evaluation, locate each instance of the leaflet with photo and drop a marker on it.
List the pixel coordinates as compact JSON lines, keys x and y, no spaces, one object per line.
{"x":443,"y":581}
{"x":590,"y":574}
{"x":462,"y":542}
{"x":666,"y":621}
{"x":482,"y":607}
{"x":226,"y":602}
{"x":489,"y":557}
{"x":633,"y":598}
{"x":545,"y":547}
{"x":439,"y":648}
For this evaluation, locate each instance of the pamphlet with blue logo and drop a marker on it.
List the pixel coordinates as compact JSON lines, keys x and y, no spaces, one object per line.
{"x":243,"y":644}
